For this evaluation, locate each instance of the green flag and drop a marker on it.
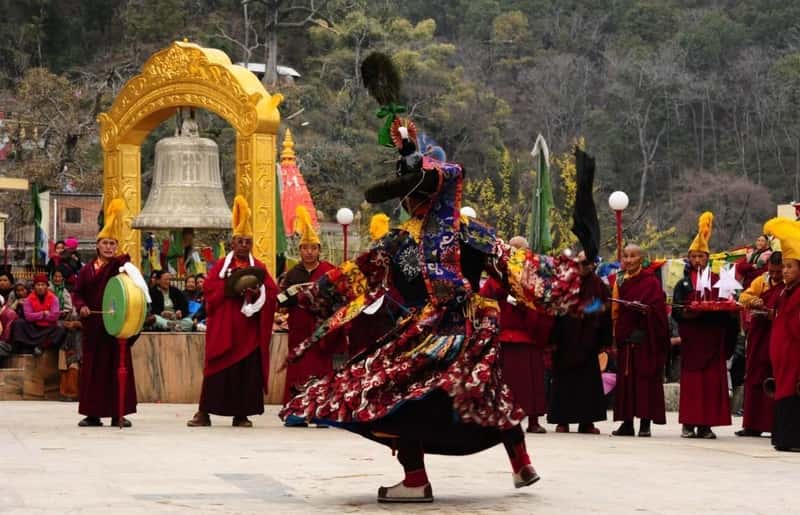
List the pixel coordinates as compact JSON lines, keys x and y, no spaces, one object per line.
{"x":280,"y":230}
{"x":539,"y":234}
{"x":39,"y":254}
{"x":175,"y":250}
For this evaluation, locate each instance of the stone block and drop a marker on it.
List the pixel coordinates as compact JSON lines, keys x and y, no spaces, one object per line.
{"x":169,"y":367}
{"x":28,"y":377}
{"x":278,"y":350}
{"x":11,"y":381}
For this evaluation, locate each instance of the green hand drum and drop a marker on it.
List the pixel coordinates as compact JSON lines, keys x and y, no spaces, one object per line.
{"x":124,"y":307}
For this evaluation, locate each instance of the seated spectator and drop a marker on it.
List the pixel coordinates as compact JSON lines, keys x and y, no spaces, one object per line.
{"x":153,"y":279}
{"x":6,"y":283}
{"x":7,"y":320}
{"x":190,"y":288}
{"x":55,"y":260}
{"x":201,"y":280}
{"x":17,"y":298}
{"x":71,"y":263}
{"x":59,"y":287}
{"x":39,"y":329}
{"x":199,"y":318}
{"x":169,"y":310}
{"x":70,"y":354}
{"x":754,"y":262}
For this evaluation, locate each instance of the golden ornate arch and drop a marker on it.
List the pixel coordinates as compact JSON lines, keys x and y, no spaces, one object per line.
{"x":187,"y":75}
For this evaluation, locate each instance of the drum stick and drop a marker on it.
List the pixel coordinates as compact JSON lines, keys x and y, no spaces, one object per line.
{"x":109,"y":312}
{"x":631,"y":303}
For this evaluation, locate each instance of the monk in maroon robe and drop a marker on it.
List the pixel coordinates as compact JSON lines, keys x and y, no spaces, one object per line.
{"x":318,"y":361}
{"x":641,"y":333}
{"x":761,"y":297}
{"x":522,"y":353}
{"x":785,"y":348}
{"x":576,"y":390}
{"x":706,"y":339}
{"x":99,"y":386}
{"x":239,"y":329}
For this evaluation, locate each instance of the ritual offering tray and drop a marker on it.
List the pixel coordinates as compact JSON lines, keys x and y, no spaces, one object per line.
{"x":713,"y":305}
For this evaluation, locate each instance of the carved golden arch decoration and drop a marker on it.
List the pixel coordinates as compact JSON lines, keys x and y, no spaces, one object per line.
{"x":187,"y":75}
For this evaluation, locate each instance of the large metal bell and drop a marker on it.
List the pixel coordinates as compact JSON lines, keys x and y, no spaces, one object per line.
{"x":187,"y":186}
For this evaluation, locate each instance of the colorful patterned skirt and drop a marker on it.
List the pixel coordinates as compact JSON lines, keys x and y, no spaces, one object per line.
{"x":434,"y":379}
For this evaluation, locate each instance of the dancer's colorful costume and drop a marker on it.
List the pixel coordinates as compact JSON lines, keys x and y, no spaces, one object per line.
{"x":432,"y":383}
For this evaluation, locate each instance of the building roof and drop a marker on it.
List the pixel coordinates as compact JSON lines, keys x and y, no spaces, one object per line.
{"x":260,"y":68}
{"x":75,"y":194}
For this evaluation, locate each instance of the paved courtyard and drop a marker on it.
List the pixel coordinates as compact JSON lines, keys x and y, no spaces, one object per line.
{"x":49,"y":465}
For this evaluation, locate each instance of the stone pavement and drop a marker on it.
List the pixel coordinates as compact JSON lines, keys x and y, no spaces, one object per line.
{"x":49,"y":465}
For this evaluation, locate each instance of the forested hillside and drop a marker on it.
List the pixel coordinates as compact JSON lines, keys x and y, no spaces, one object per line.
{"x":687,"y":105}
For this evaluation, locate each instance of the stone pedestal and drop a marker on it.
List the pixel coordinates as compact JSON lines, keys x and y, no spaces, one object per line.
{"x":278,"y":349}
{"x":169,"y":367}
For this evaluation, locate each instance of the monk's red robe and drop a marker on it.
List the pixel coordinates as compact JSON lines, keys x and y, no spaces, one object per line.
{"x":99,"y":386}
{"x":237,"y":347}
{"x":318,"y":360}
{"x":576,"y":389}
{"x":785,"y":343}
{"x":523,"y":335}
{"x":759,"y":408}
{"x":642,"y":340}
{"x":784,"y":353}
{"x":704,"y":399}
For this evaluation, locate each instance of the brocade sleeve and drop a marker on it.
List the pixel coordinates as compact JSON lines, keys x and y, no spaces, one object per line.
{"x":541,"y":282}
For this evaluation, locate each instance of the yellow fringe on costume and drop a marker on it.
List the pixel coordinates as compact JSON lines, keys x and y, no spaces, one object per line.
{"x":413,"y":226}
{"x":378,"y":226}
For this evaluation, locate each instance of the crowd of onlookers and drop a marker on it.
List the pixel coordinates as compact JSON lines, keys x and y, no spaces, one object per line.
{"x":38,"y":314}
{"x":173,"y":309}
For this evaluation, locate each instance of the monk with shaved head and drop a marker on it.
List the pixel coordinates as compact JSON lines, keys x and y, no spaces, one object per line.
{"x":641,"y":334}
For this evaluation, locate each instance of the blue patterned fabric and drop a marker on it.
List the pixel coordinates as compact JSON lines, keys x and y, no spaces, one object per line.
{"x":440,"y":240}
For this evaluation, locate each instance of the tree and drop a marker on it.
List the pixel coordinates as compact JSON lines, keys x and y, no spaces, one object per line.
{"x":283,"y":14}
{"x":62,"y":115}
{"x":645,"y":91}
{"x":506,"y":209}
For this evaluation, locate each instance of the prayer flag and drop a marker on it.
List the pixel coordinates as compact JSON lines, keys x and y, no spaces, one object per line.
{"x":39,"y":234}
{"x":539,"y":220}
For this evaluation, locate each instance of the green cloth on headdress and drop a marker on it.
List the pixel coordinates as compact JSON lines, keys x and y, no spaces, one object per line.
{"x":390,"y":112}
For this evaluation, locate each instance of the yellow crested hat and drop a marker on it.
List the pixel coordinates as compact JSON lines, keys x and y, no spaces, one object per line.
{"x":378,"y":226}
{"x":788,"y":232}
{"x":242,"y":220}
{"x":700,"y":242}
{"x":112,"y":224}
{"x":303,"y":227}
